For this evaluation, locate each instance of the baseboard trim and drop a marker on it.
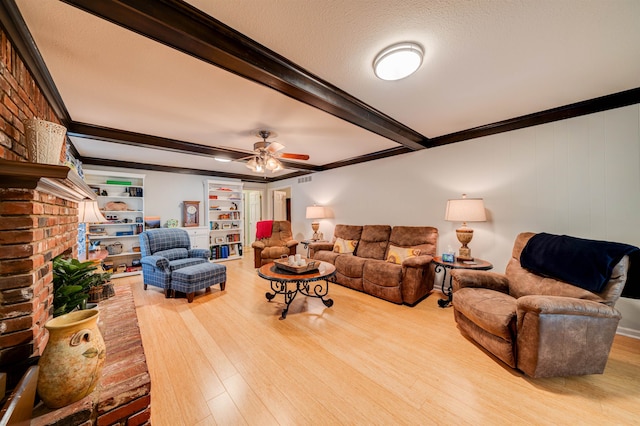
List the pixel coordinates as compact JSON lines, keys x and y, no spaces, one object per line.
{"x":629,"y":332}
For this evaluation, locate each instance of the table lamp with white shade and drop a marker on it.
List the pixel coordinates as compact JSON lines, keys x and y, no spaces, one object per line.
{"x":89,"y":212}
{"x":465,"y":210}
{"x":316,"y":212}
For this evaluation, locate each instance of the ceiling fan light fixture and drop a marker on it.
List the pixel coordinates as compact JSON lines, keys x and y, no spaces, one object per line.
{"x":271,"y":163}
{"x":252,"y":164}
{"x":398,"y":61}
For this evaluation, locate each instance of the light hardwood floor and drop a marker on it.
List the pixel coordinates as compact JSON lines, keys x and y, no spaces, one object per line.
{"x":227,"y":359}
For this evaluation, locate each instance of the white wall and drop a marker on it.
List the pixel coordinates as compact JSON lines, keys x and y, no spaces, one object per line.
{"x":579,"y":177}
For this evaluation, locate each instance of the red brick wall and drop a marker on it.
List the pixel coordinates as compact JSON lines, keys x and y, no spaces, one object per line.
{"x":20,"y":99}
{"x":34,"y":227}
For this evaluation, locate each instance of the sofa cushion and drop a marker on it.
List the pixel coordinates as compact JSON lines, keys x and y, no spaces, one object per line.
{"x":187,"y":261}
{"x":274,"y":252}
{"x":374,"y":241}
{"x":382,"y":273}
{"x":326,"y":256}
{"x":383,"y":279}
{"x":280,"y":234}
{"x":398,"y":255}
{"x":525,"y":283}
{"x":350,"y":266}
{"x":423,"y":238}
{"x":344,"y":246}
{"x":493,"y":311}
{"x":155,"y":240}
{"x":173,"y":254}
{"x":347,"y":232}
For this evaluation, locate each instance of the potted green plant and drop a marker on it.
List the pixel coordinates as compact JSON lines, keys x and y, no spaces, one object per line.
{"x":72,"y":281}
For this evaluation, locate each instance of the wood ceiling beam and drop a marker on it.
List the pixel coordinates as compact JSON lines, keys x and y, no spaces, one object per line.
{"x":369,"y":157}
{"x":181,"y":26}
{"x":180,"y":170}
{"x":88,"y":131}
{"x":591,"y":106}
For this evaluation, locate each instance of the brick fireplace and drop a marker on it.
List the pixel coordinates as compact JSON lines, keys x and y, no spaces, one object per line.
{"x":38,"y":221}
{"x":34,"y":226}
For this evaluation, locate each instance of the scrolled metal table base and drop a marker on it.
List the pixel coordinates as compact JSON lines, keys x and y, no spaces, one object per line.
{"x":306,"y":287}
{"x":447,"y":291}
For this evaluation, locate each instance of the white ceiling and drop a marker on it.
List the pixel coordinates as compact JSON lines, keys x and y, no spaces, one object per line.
{"x":486,"y":61}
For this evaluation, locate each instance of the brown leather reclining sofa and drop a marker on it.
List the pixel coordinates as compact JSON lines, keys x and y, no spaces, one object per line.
{"x":393,"y":264}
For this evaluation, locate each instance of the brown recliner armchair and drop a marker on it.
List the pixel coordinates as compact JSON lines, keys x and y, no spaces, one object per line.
{"x":279,"y":243}
{"x":540,"y":325}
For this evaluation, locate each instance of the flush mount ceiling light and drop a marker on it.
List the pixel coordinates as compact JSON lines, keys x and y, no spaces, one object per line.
{"x":398,"y":61}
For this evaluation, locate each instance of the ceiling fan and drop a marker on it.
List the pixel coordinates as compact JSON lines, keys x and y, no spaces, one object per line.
{"x":266,"y":154}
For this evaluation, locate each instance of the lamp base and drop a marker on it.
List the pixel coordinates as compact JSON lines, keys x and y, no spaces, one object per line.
{"x":464,"y":253}
{"x":464,"y":234}
{"x":316,"y":235}
{"x":464,"y":258}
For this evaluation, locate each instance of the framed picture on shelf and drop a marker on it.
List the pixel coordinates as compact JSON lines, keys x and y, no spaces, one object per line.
{"x":151,"y":222}
{"x":226,"y":226}
{"x":219,"y":240}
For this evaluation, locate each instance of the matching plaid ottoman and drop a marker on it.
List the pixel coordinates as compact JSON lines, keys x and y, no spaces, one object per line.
{"x":197,"y":277}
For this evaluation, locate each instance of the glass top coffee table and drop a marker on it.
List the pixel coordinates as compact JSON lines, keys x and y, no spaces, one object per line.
{"x":314,"y":283}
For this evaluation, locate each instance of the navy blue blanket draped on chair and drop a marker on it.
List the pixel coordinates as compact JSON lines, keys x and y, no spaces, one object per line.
{"x":584,"y":263}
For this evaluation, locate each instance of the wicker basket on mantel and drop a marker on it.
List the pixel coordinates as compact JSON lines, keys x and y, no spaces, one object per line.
{"x":44,"y":141}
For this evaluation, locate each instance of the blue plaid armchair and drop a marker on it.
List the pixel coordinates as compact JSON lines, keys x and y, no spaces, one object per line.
{"x":165,"y":250}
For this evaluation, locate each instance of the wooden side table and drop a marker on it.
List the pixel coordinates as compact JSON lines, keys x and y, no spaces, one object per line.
{"x":96,"y":257}
{"x":305,"y":244}
{"x":442,"y":266}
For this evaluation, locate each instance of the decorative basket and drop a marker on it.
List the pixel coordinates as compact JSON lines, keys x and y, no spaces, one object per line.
{"x":101,"y":292}
{"x":115,"y":248}
{"x":44,"y":141}
{"x":310,"y":265}
{"x":95,"y":294}
{"x":116,"y":206}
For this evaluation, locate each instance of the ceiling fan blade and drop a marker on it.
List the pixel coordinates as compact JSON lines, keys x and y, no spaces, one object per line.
{"x":245,"y":158}
{"x":232,"y":148}
{"x":274,"y":147}
{"x":294,"y":156}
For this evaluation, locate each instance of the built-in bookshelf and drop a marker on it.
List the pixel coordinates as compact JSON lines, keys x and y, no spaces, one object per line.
{"x":121,"y":200}
{"x":224,"y":212}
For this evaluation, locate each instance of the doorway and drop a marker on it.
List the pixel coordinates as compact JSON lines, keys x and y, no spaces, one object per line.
{"x":253,"y":214}
{"x":279,"y":205}
{"x":281,"y":200}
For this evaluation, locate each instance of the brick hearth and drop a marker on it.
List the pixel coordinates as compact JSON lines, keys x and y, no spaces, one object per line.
{"x":122,"y":396}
